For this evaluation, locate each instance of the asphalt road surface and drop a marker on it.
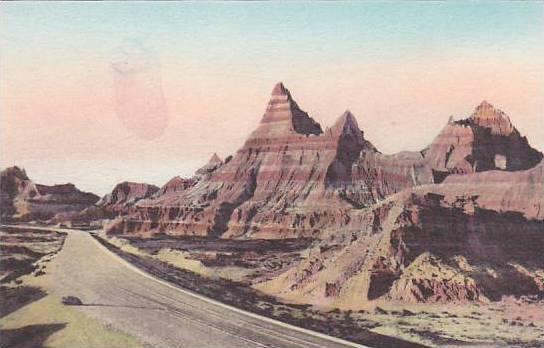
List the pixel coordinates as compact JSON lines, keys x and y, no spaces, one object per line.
{"x":159,"y":314}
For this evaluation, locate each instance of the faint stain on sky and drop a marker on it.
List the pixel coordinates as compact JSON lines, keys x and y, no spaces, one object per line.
{"x":139,"y":97}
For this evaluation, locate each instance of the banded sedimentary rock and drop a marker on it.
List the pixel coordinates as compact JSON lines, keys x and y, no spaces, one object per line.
{"x":213,"y":164}
{"x":376,"y":176}
{"x":487,"y":116}
{"x":471,"y":238}
{"x":283,"y":182}
{"x":293,"y":179}
{"x":486,"y":140}
{"x":412,"y":226}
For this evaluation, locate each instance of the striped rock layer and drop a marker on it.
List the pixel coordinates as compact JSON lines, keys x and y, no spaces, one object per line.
{"x":473,"y":238}
{"x":281,"y":183}
{"x":292,"y":179}
{"x":485,"y":141}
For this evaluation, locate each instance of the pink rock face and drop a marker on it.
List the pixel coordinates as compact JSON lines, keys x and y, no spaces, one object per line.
{"x":520,"y":191}
{"x":213,"y":164}
{"x":435,"y":243}
{"x":376,"y":176}
{"x":486,"y":140}
{"x":175,"y":185}
{"x":496,"y":120}
{"x":282,"y":183}
{"x":125,"y":195}
{"x":459,"y":221}
{"x":283,"y":116}
{"x":22,"y":199}
{"x":451,"y":151}
{"x":291,"y":179}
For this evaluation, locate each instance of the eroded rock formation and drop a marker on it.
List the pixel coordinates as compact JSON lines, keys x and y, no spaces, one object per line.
{"x":429,"y":226}
{"x":292,"y":179}
{"x":124,"y":195}
{"x":22,"y":199}
{"x":471,"y":238}
{"x":486,"y":140}
{"x":286,"y":181}
{"x":175,"y":185}
{"x":461,"y":220}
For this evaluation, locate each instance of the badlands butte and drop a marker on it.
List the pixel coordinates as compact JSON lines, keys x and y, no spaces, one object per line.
{"x":461,"y":221}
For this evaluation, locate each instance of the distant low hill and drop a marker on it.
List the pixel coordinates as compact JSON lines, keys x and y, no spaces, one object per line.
{"x":23,"y":200}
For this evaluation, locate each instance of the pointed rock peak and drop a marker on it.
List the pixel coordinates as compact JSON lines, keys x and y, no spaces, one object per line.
{"x":284,"y":117}
{"x":484,"y":104}
{"x":215,"y":159}
{"x":346,"y":124}
{"x":486,"y":111}
{"x":176,"y":184}
{"x":486,"y":115}
{"x":214,"y":163}
{"x":279,"y":89}
{"x":176,"y":178}
{"x":347,"y":118}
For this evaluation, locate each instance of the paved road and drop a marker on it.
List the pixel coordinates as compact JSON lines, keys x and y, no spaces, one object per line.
{"x":157,"y":313}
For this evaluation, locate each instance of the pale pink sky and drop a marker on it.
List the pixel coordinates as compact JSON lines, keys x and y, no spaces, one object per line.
{"x":65,"y":104}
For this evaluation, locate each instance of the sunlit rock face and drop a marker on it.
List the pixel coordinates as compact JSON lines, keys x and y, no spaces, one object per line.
{"x":473,"y":238}
{"x":486,"y":140}
{"x":487,"y":116}
{"x":286,"y":181}
{"x":175,"y":185}
{"x":124,"y":195}
{"x":291,"y":178}
{"x":213,"y":163}
{"x":455,"y":222}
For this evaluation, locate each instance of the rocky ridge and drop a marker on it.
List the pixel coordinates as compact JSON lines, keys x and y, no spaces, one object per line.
{"x":463,"y":240}
{"x":24,"y":200}
{"x":279,"y":184}
{"x":428,"y":226}
{"x":292,"y":179}
{"x":434,"y":225}
{"x":124,"y":195}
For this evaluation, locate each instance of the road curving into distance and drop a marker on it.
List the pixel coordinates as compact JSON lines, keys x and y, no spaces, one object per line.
{"x":158,"y":313}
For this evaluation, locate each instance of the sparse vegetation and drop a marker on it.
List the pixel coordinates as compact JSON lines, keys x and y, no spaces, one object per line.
{"x":240,"y":295}
{"x":415,"y":324}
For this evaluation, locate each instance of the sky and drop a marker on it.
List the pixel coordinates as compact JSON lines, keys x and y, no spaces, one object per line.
{"x":95,"y":93}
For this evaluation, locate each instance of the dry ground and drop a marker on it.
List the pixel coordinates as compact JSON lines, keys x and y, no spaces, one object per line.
{"x":507,"y":323}
{"x":31,"y":315}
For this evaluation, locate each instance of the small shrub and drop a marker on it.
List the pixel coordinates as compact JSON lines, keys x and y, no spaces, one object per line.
{"x":71,"y":301}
